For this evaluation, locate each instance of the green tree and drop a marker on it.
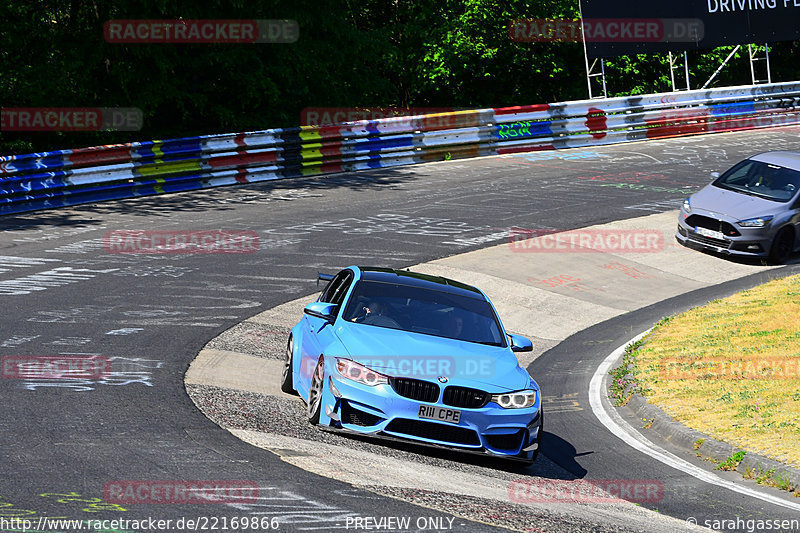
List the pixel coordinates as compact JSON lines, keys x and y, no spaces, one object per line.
{"x":351,"y":53}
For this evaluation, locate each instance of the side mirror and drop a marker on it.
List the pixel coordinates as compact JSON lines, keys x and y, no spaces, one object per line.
{"x":321,"y":310}
{"x":520,"y":344}
{"x":715,"y":175}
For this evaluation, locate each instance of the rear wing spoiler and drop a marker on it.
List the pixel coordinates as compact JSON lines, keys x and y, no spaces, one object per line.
{"x":324,"y":277}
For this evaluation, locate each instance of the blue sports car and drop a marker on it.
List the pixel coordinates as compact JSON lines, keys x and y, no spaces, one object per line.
{"x":402,"y":355}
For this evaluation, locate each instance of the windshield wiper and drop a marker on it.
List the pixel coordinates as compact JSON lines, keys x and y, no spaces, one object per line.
{"x":727,"y":187}
{"x":488,"y":343}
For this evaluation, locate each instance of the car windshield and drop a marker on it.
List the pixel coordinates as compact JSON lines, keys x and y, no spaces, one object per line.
{"x":764,"y":180}
{"x":427,"y":311}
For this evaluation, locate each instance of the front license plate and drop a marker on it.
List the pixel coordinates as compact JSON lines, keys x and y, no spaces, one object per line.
{"x":709,"y":233}
{"x":442,"y":414}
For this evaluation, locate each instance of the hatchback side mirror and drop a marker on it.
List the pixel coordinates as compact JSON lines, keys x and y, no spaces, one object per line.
{"x":520,"y":344}
{"x":715,"y":175}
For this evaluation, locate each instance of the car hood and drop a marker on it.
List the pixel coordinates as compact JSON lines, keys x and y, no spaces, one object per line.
{"x":399,"y":353}
{"x":733,"y":204}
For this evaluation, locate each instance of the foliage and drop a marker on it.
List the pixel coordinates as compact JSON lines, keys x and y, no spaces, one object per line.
{"x":351,"y":53}
{"x":624,"y":380}
{"x":732,"y":461}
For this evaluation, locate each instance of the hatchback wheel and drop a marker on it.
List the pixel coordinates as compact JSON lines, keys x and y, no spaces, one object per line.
{"x":782,"y":246}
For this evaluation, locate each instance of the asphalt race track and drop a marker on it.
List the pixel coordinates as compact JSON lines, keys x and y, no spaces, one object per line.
{"x":63,"y":292}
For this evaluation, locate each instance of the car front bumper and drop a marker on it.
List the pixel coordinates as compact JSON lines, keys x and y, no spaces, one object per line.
{"x":737,"y":241}
{"x":380,"y":411}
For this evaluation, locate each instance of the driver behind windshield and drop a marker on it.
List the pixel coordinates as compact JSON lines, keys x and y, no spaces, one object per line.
{"x":377,"y":315}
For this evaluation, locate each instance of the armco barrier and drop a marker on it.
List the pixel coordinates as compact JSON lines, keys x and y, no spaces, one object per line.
{"x":69,"y":177}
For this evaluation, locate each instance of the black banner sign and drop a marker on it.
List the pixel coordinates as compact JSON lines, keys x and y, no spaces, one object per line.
{"x":621,"y":27}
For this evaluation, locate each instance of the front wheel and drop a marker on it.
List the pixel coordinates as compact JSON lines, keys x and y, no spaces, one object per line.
{"x":287,"y":382}
{"x":315,"y":392}
{"x":782,"y":247}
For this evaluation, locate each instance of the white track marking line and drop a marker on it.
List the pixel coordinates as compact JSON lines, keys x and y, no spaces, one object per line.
{"x":619,"y":427}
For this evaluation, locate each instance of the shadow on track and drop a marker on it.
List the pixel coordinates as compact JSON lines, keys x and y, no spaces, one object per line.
{"x":215,"y":199}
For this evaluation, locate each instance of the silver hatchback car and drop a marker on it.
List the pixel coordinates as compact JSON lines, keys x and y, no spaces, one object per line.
{"x":752,"y":210}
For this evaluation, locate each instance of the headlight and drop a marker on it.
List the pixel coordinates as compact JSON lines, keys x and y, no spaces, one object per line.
{"x":687,"y":205}
{"x":359,"y":373}
{"x":758,"y":222}
{"x":515,"y":400}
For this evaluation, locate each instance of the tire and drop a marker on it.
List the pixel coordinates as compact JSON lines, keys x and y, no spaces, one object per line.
{"x":782,"y":247}
{"x":287,"y":380}
{"x":315,"y":392}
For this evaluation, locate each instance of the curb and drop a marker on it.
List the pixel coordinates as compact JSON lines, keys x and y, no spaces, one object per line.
{"x":684,"y":437}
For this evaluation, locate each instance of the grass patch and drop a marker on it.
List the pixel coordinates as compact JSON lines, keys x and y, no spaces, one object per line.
{"x":732,"y":462}
{"x":624,"y":381}
{"x":729,"y":369}
{"x":768,"y":477}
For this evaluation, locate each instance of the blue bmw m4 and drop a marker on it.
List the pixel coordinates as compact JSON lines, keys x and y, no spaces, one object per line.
{"x":402,"y":355}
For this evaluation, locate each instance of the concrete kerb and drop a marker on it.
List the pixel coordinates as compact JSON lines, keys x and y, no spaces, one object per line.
{"x":686,"y":438}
